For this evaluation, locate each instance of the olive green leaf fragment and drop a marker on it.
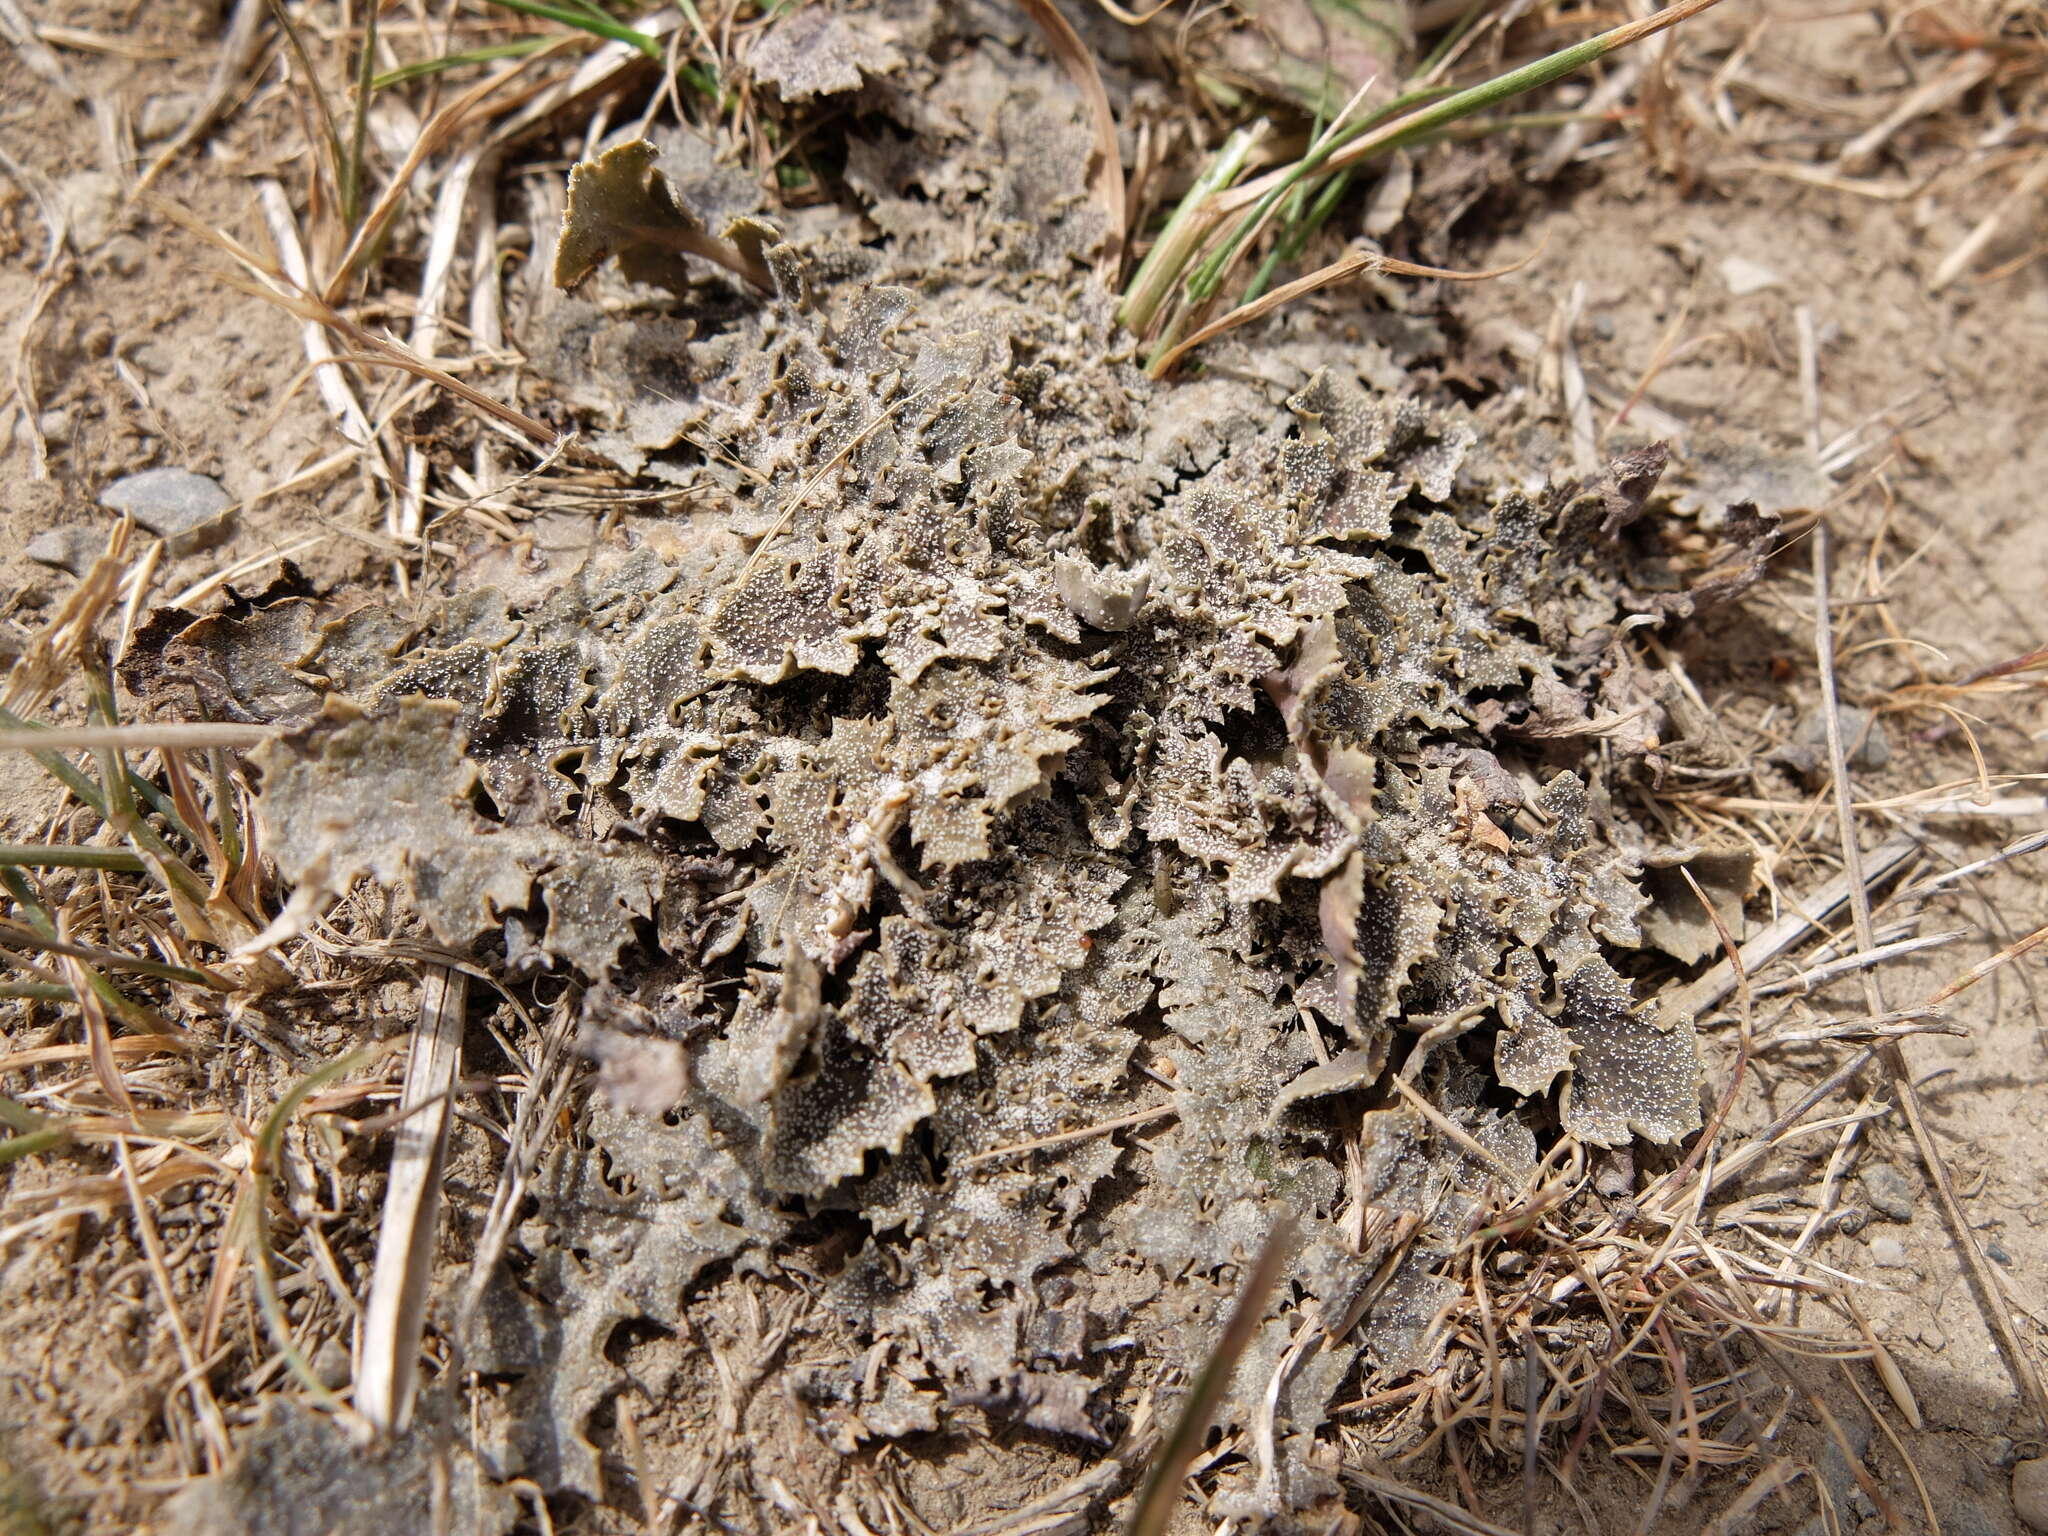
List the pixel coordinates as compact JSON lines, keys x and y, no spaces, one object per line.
{"x":622,"y":206}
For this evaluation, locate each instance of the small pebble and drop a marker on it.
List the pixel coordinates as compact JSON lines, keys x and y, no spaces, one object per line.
{"x":1745,"y":277}
{"x":1995,"y":1251}
{"x":66,"y":549}
{"x":125,"y":255}
{"x":331,"y":1365}
{"x":91,"y":201}
{"x":2030,"y":1493}
{"x":1889,"y":1191}
{"x":153,"y":358}
{"x":176,"y":505}
{"x":162,"y":116}
{"x":1615,"y":1174}
{"x":1887,"y":1253}
{"x":1863,"y":738}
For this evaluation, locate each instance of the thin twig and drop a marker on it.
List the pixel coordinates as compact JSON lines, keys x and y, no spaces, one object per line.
{"x":1803,"y":917}
{"x":1387,"y":1489}
{"x":1336,"y":272}
{"x":1891,"y":1051}
{"x":1958,"y":260}
{"x":1068,"y":1138}
{"x":1106,"y":172}
{"x":237,"y":52}
{"x":1162,"y":1489}
{"x":394,"y":1312}
{"x":539,"y":1109}
{"x":1806,"y":981}
{"x":134,"y":738}
{"x":1490,"y":93}
{"x":194,"y":1379}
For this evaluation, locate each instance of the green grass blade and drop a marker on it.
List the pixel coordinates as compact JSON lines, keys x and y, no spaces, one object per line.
{"x":517,"y":49}
{"x":359,"y":130}
{"x":1516,"y":82}
{"x":297,"y":44}
{"x":70,"y":856}
{"x":65,"y":772}
{"x":1209,"y":276}
{"x":114,"y":774}
{"x":1301,"y":232}
{"x":1453,"y":35}
{"x":25,"y":897}
{"x":254,"y":1219}
{"x":19,"y":1117}
{"x":21,"y":933}
{"x":590,"y":21}
{"x":1392,"y":127}
{"x":35,"y":1141}
{"x":271,"y":1135}
{"x":1183,"y":233}
{"x":1162,"y":1488}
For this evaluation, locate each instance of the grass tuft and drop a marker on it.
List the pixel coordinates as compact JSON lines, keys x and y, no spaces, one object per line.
{"x":1220,"y":222}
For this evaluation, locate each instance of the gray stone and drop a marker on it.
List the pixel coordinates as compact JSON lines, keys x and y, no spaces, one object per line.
{"x":1887,"y":1253}
{"x":330,"y":1364}
{"x":91,"y":201}
{"x":67,"y":549}
{"x":154,"y":358}
{"x":162,"y":116}
{"x":1994,"y":1250}
{"x":1863,"y":736}
{"x":125,"y":255}
{"x":1888,"y":1191}
{"x":181,"y":508}
{"x":2030,"y":1493}
{"x":1745,"y":277}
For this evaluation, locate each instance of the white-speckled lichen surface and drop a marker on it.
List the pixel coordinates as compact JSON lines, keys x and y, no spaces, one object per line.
{"x":990,"y":743}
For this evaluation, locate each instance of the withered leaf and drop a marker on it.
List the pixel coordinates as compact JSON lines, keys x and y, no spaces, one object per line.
{"x":622,"y":205}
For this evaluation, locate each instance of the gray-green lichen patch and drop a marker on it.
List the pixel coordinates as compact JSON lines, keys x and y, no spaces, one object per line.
{"x":1007,"y":746}
{"x":296,"y":1472}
